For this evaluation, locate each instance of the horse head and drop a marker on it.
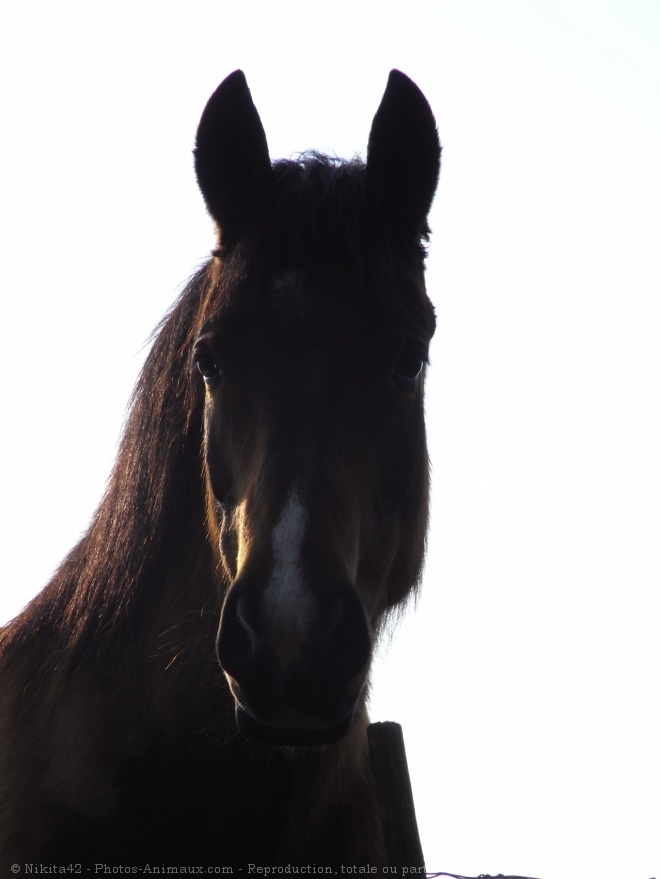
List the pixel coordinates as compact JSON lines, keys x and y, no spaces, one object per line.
{"x":313,"y":348}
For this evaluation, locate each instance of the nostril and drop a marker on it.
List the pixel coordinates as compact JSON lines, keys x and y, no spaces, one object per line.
{"x":349,"y":640}
{"x":235,"y":635}
{"x":331,"y":618}
{"x":247,"y":614}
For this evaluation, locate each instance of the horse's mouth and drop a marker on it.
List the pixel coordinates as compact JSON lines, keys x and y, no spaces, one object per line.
{"x":290,"y":736}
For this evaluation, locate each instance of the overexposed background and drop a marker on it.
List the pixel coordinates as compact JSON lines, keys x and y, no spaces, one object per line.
{"x":527,"y":679}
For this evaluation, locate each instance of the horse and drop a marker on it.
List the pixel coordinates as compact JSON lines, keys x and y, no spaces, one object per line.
{"x":190,"y":687}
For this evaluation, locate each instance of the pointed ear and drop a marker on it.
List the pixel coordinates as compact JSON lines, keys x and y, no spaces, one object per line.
{"x":403,"y":157}
{"x":231,"y":155}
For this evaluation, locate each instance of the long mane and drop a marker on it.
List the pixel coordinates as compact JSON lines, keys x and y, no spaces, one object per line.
{"x":126,"y":548}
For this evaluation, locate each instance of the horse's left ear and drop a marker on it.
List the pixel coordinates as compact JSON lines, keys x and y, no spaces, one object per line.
{"x":231,"y":155}
{"x":403,"y":157}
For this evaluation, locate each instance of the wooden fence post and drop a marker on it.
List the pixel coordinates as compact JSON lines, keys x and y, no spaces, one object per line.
{"x":395,"y":799}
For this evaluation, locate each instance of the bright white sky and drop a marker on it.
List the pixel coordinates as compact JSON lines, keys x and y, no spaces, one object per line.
{"x":527,"y":679}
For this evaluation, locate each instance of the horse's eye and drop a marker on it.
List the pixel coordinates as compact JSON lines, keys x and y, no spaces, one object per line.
{"x":208,"y":368}
{"x":205,"y":363}
{"x":409,"y":366}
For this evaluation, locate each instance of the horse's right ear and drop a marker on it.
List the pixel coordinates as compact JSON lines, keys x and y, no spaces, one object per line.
{"x":231,"y":155}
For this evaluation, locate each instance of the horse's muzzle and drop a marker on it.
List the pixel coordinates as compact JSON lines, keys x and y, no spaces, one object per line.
{"x":297,"y":688}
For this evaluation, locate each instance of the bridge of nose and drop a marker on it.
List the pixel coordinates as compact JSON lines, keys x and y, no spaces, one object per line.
{"x":288,"y":606}
{"x":294,"y":638}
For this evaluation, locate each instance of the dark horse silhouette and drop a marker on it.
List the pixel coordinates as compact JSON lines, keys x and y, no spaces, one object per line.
{"x":267,"y":509}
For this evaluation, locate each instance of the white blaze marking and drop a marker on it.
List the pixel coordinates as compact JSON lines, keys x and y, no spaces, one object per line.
{"x":288,"y":603}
